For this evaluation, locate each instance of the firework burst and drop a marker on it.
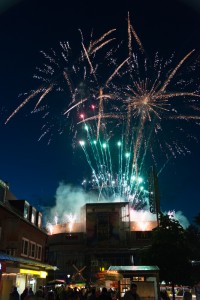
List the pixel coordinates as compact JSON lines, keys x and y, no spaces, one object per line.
{"x":145,"y":102}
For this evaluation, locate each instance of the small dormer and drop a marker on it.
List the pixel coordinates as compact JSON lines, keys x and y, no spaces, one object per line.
{"x":3,"y":189}
{"x":22,"y":207}
{"x":39,"y":219}
{"x":32,"y":215}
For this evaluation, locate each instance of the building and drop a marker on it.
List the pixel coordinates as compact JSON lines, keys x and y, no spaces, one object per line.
{"x":22,"y":244}
{"x":146,"y":277}
{"x":105,"y":234}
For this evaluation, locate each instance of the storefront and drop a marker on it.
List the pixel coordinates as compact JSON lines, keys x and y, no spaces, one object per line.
{"x":21,"y":273}
{"x":146,"y":278}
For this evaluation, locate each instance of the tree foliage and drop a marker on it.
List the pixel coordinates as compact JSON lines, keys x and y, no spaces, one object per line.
{"x":197,"y":219}
{"x":169,"y":251}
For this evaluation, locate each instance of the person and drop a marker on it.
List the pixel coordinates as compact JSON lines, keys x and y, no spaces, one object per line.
{"x":39,"y":295}
{"x":92,"y":295}
{"x":187,"y":295}
{"x":164,"y":295}
{"x":132,"y":293}
{"x":104,"y":294}
{"x":24,"y":293}
{"x":14,"y":295}
{"x":197,"y":291}
{"x":30,"y":291}
{"x":30,"y":297}
{"x":50,"y":295}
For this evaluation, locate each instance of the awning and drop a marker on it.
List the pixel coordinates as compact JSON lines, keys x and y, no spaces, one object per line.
{"x":9,"y":258}
{"x":133,"y":268}
{"x":56,"y":281}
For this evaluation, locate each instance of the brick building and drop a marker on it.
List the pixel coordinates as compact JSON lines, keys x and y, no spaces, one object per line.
{"x":105,"y":235}
{"x":22,"y":244}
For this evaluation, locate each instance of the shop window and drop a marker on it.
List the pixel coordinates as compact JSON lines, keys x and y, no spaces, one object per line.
{"x":32,"y":252}
{"x":39,"y":252}
{"x":25,"y":247}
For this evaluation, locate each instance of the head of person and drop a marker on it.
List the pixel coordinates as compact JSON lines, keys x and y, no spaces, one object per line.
{"x":187,"y":295}
{"x":133,"y":287}
{"x":50,"y":295}
{"x":30,"y":297}
{"x":14,"y":289}
{"x":39,"y":293}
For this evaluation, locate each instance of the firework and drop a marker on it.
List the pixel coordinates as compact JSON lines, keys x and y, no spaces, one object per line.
{"x":112,"y":173}
{"x":154,"y":94}
{"x":67,"y":218}
{"x":155,"y":106}
{"x":146,"y":102}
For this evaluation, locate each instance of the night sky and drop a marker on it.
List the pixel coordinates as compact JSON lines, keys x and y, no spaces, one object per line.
{"x":34,"y":168}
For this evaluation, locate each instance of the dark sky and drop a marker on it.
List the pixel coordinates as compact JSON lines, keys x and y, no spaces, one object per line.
{"x":33,"y":168}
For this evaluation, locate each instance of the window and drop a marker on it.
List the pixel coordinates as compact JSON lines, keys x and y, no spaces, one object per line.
{"x":31,"y":249}
{"x":11,"y":251}
{"x":39,"y":220}
{"x":32,"y":252}
{"x":143,"y":235}
{"x":25,"y":247}
{"x":39,"y":252}
{"x":33,"y":215}
{"x":26,"y":211}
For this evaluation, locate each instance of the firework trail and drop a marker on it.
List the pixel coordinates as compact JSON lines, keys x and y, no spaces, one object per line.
{"x":147,"y":101}
{"x":112,"y":175}
{"x":144,"y":102}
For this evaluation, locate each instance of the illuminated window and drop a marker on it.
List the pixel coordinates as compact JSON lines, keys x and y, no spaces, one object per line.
{"x":32,"y":252}
{"x":33,"y":215}
{"x":26,"y":211}
{"x":25,"y":247}
{"x":138,"y":278}
{"x":38,"y":252}
{"x":39,"y":220}
{"x":125,"y":213}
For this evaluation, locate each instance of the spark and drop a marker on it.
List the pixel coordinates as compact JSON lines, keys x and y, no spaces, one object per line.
{"x":132,"y":100}
{"x":49,"y":227}
{"x":22,"y":104}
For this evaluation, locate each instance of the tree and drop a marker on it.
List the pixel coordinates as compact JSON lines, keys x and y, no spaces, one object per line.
{"x":193,"y":239}
{"x":170,"y":252}
{"x":197,"y":219}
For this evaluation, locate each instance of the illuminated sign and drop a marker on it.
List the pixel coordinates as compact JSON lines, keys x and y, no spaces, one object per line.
{"x":41,"y":274}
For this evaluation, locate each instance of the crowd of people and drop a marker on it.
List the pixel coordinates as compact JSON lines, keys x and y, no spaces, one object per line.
{"x":67,"y":293}
{"x":64,"y":293}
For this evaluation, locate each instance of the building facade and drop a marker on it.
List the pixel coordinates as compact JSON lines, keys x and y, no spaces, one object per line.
{"x":106,"y":234}
{"x":22,"y":245}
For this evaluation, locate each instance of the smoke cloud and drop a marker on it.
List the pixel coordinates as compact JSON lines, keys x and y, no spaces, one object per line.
{"x":69,"y":200}
{"x":179,"y":217}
